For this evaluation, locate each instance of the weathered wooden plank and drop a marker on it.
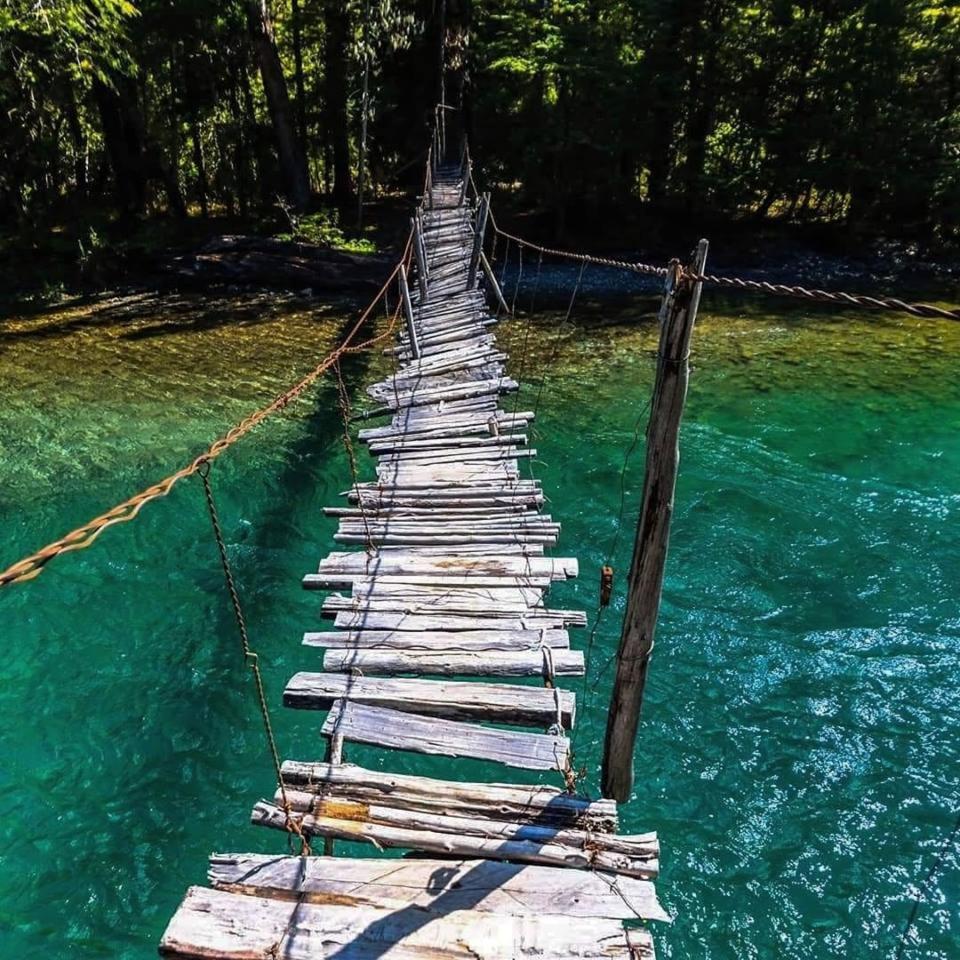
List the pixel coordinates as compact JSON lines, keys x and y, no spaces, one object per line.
{"x":397,"y":730}
{"x":444,"y":581}
{"x":465,"y":490}
{"x":473,"y":388}
{"x":449,"y":699}
{"x":538,"y":803}
{"x":507,"y":844}
{"x":463,"y":550}
{"x":438,"y":886}
{"x":349,"y":614}
{"x":412,"y":538}
{"x":454,"y":662}
{"x":455,"y":443}
{"x":222,"y":925}
{"x":510,"y":592}
{"x":426,"y":640}
{"x":636,"y":855}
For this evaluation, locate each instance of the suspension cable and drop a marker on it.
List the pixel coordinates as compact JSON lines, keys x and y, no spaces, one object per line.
{"x":840,"y":297}
{"x":83,"y":536}
{"x":251,"y":659}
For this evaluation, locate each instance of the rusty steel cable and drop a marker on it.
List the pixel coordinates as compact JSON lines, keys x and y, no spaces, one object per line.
{"x":839,"y":297}
{"x":250,"y":657}
{"x":83,"y":536}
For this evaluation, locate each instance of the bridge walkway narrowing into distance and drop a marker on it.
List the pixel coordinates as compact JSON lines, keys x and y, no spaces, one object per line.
{"x":451,"y":585}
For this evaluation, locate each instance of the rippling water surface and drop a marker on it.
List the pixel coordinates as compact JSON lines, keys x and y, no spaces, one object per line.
{"x":799,"y":748}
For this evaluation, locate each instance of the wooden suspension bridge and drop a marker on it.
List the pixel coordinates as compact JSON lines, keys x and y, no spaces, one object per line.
{"x":447,"y":606}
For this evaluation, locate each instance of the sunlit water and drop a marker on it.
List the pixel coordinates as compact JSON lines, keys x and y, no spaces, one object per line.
{"x":799,"y":747}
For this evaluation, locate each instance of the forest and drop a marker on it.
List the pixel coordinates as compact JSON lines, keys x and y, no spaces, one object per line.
{"x":836,"y":112}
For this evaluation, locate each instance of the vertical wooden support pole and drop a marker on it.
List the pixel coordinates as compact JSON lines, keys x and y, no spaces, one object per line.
{"x":420,"y":253}
{"x":478,"y":240}
{"x":408,"y":312}
{"x":465,"y":173}
{"x":677,"y":316}
{"x":492,"y":280}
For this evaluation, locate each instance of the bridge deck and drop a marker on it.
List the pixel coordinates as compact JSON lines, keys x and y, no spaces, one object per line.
{"x":452,"y":585}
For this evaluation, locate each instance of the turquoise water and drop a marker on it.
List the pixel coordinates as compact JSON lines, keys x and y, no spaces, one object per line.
{"x":799,"y":748}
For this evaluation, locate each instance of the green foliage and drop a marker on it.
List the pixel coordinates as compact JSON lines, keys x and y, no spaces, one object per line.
{"x":323,"y":229}
{"x":843,"y":112}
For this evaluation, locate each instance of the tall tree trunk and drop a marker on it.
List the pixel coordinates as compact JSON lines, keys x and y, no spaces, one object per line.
{"x":701,"y":97}
{"x":298,"y":72}
{"x":123,"y":135}
{"x":202,"y":187}
{"x":239,"y":142}
{"x":293,"y":163}
{"x":337,"y":24}
{"x":459,"y":23}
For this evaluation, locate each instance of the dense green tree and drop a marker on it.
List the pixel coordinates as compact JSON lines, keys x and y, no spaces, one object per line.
{"x":832,"y":111}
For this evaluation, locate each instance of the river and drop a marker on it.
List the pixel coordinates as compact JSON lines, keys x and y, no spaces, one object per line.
{"x":800,"y":744}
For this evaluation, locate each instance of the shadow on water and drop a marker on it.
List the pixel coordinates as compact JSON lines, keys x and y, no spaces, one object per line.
{"x":154,"y":315}
{"x":295,"y":481}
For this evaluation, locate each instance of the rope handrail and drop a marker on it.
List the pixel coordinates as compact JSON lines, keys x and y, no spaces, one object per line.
{"x":739,"y":283}
{"x":83,"y":536}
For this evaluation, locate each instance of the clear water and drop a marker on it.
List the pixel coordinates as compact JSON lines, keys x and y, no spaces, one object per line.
{"x":799,"y":747}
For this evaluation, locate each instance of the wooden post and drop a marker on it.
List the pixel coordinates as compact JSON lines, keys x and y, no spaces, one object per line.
{"x":478,"y":240}
{"x":677,"y":316}
{"x":420,"y":254}
{"x":465,"y":173}
{"x":492,"y":280}
{"x":408,"y":311}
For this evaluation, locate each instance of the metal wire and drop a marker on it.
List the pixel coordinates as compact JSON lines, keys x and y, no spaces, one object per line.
{"x":840,"y":297}
{"x":251,"y":659}
{"x":83,"y":536}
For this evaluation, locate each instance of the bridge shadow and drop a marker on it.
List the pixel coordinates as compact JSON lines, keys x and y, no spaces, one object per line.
{"x":451,"y":889}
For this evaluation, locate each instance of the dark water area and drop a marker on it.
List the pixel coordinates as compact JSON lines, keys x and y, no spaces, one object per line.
{"x":799,"y":745}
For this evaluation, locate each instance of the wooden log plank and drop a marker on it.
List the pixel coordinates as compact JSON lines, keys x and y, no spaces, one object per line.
{"x":451,"y":700}
{"x":427,"y":640}
{"x":350,"y":614}
{"x":443,"y":580}
{"x":490,"y":539}
{"x":632,"y":854}
{"x":443,"y":511}
{"x":463,"y":550}
{"x":359,"y":564}
{"x":488,"y":886}
{"x":537,"y":851}
{"x":470,"y":389}
{"x":511,"y":593}
{"x":455,"y":662}
{"x":378,"y":447}
{"x":487,"y":454}
{"x":222,"y":925}
{"x":396,"y":730}
{"x":537,"y":803}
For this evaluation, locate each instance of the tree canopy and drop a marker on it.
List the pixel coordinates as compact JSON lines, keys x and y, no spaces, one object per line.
{"x":836,"y":111}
